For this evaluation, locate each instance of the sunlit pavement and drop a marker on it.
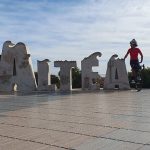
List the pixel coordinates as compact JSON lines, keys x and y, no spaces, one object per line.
{"x":118,"y":120}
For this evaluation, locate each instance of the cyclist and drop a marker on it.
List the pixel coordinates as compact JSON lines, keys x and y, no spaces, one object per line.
{"x":134,"y":61}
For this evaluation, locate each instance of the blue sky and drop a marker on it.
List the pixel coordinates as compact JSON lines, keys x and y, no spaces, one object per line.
{"x":74,"y":29}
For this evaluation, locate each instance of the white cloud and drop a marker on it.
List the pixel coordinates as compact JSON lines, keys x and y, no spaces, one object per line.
{"x":74,"y":30}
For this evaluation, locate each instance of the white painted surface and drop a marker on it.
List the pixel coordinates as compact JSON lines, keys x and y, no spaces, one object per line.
{"x":16,"y":68}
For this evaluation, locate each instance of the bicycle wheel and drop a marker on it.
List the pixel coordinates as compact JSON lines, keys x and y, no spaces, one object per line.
{"x":138,"y":86}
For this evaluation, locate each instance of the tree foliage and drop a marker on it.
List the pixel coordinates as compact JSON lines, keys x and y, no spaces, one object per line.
{"x":76,"y":78}
{"x":54,"y":79}
{"x":145,"y":75}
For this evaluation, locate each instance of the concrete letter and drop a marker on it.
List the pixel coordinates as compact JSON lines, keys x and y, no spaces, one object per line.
{"x":65,"y":74}
{"x":89,"y":78}
{"x":16,"y":68}
{"x":116,"y":74}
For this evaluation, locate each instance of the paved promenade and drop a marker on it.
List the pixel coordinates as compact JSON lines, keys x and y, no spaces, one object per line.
{"x":78,"y":121}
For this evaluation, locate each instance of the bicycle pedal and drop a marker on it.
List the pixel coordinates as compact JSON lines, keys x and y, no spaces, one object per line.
{"x":132,"y":82}
{"x":138,"y":83}
{"x":138,"y":78}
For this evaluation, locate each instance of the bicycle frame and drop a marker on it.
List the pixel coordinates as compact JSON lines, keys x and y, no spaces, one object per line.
{"x":138,"y":78}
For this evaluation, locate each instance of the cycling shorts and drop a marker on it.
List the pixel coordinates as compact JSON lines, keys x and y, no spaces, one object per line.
{"x":135,"y":64}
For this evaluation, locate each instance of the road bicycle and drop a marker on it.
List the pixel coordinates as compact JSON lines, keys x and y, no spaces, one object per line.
{"x":137,"y":84}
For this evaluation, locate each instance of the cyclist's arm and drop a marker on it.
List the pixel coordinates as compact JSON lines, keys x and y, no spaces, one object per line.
{"x":141,"y":56}
{"x":126,"y":54}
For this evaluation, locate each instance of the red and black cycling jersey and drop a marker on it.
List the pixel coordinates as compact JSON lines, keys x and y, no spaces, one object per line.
{"x":134,"y":53}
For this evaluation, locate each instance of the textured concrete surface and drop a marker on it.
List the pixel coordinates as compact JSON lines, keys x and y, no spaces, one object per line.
{"x":118,"y":120}
{"x":116,"y":74}
{"x":16,"y":68}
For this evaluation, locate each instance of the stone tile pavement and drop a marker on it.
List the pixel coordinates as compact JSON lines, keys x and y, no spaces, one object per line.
{"x":114,"y":120}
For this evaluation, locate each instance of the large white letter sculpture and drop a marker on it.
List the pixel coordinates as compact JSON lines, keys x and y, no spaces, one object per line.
{"x":65,"y":74}
{"x":44,"y":80}
{"x":16,"y":68}
{"x":89,"y":78}
{"x":43,"y":74}
{"x":116,"y":74}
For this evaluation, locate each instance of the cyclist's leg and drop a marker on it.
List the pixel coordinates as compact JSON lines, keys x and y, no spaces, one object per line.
{"x":138,"y":81}
{"x":137,"y":70}
{"x":133,"y":75}
{"x":134,"y":64}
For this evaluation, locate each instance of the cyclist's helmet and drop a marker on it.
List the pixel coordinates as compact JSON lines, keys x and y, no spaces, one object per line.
{"x":133,"y":42}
